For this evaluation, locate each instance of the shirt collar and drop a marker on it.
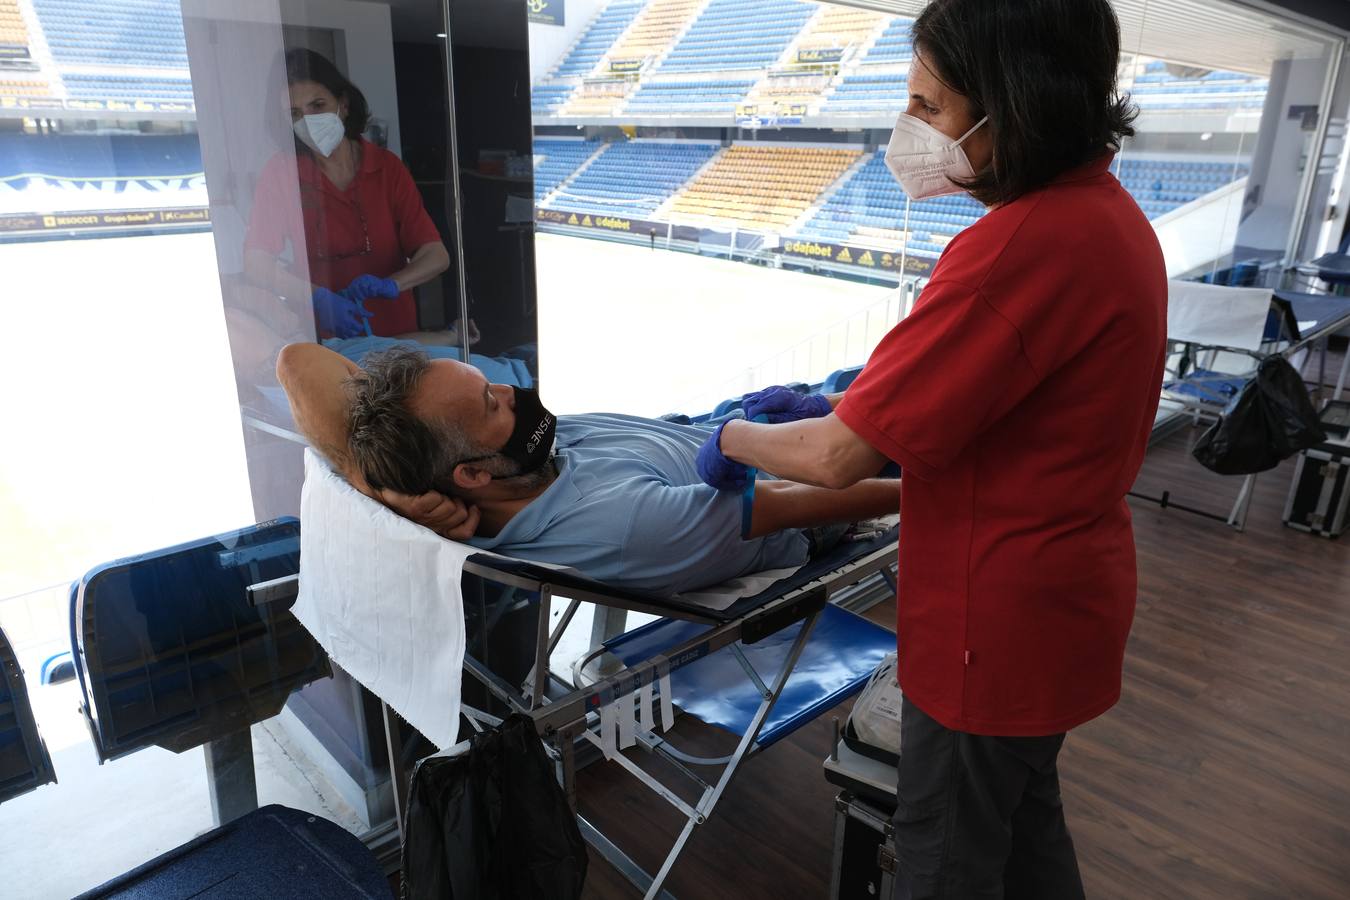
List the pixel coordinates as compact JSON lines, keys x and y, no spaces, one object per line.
{"x":1090,"y":169}
{"x":527,"y":524}
{"x":310,"y":174}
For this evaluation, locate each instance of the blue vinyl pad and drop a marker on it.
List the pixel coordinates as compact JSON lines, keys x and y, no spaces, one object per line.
{"x":839,"y":656}
{"x":271,"y":852}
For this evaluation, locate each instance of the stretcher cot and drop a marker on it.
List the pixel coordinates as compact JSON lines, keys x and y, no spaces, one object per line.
{"x":742,"y":656}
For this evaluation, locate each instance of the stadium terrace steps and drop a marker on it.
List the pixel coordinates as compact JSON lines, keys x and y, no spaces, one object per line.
{"x":555,"y":161}
{"x":871,"y":199}
{"x":672,"y":98}
{"x":1160,"y":186}
{"x":131,"y":33}
{"x":762,"y":187}
{"x":597,"y":148}
{"x":601,"y":98}
{"x":893,"y":45}
{"x":655,"y":31}
{"x":787,"y":88}
{"x":633,"y":178}
{"x":731,"y":35}
{"x":869,"y":92}
{"x":549,"y":98}
{"x":13,"y":29}
{"x":828,"y":194}
{"x":609,"y":23}
{"x":841,"y":28}
{"x":662,"y":212}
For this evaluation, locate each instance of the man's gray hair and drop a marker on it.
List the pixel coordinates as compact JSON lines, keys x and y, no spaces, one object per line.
{"x":393,"y":448}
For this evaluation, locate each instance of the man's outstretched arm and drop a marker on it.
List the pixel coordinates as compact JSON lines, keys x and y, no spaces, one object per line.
{"x":787,"y":504}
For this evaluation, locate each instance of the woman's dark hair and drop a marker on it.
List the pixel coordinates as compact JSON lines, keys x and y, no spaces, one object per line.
{"x":306,"y":65}
{"x":1043,"y":71}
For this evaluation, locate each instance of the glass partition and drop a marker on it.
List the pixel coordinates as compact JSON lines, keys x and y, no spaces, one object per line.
{"x":184,"y":189}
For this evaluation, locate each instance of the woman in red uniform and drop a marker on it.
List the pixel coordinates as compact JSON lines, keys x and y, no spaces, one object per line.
{"x":1018,"y":399}
{"x":362,"y":233}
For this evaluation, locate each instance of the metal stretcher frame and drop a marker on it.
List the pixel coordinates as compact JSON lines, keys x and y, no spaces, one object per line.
{"x":565,"y":720}
{"x":1199,"y":407}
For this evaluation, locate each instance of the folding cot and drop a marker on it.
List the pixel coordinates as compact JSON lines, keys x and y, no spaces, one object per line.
{"x":1217,"y":336}
{"x":735,"y":656}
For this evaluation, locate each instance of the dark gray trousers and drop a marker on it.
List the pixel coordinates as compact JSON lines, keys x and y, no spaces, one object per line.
{"x":979,"y":817}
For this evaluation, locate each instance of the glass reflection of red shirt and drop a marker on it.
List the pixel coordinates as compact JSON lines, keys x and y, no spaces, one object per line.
{"x":382,"y":203}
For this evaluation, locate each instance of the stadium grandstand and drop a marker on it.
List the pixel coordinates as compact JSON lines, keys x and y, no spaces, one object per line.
{"x":803,"y":95}
{"x":633,"y":178}
{"x":93,"y":56}
{"x":59,"y":173}
{"x":116,"y":149}
{"x":762,"y":187}
{"x":787,"y":103}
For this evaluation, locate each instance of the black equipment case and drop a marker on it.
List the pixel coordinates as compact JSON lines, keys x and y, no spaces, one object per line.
{"x":1319,"y":498}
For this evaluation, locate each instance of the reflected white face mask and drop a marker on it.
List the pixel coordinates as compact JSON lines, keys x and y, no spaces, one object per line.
{"x":924,"y":160}
{"x":320,"y":133}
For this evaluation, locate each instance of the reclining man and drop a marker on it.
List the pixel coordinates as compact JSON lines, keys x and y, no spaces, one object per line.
{"x":615,"y":497}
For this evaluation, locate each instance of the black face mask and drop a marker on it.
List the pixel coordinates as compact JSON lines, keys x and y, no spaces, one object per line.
{"x":531,"y":439}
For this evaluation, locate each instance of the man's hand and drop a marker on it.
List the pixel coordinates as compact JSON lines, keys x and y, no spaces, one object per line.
{"x":447,"y":516}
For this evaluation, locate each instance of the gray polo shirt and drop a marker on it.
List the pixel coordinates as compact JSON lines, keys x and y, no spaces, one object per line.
{"x":629,"y":509}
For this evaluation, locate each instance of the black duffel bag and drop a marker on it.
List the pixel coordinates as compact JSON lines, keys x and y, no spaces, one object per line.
{"x":1269,"y":420}
{"x":492,"y":824}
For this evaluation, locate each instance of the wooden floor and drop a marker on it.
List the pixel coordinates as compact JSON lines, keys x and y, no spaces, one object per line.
{"x":1224,"y":772}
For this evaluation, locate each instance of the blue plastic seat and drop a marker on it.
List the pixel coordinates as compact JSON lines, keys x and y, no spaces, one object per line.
{"x":840,"y":655}
{"x":170,"y":652}
{"x":24,"y":762}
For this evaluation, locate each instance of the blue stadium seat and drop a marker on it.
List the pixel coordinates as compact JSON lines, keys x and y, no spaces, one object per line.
{"x":92,"y":157}
{"x":633,"y":178}
{"x":893,"y":45}
{"x":25,"y":763}
{"x":733,"y":35}
{"x":885,"y":92}
{"x":555,"y":161}
{"x":676,"y":97}
{"x":170,"y":652}
{"x":871,"y":198}
{"x":598,"y":37}
{"x":1158,"y":89}
{"x":131,"y":33}
{"x":546,"y":98}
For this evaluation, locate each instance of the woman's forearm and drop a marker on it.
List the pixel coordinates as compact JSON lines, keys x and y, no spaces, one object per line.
{"x":427,"y":262}
{"x":823,"y":452}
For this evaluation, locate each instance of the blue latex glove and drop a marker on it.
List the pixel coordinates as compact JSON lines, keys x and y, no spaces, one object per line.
{"x":781,"y":404}
{"x":366,"y":287}
{"x":716,"y":469}
{"x":338,"y":315}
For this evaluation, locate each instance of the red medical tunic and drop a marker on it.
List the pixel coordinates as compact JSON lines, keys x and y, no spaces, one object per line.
{"x":327,"y":234}
{"x":1018,"y":398}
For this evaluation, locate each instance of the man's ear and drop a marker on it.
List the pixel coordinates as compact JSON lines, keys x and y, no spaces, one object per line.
{"x":470,"y":477}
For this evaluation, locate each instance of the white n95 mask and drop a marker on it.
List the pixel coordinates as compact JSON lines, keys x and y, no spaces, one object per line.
{"x":320,"y":133}
{"x":924,"y":160}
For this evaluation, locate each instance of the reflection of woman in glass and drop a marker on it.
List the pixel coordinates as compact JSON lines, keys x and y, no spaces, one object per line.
{"x":365,"y":233}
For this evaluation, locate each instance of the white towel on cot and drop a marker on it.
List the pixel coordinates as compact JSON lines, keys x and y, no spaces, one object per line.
{"x":383,"y":597}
